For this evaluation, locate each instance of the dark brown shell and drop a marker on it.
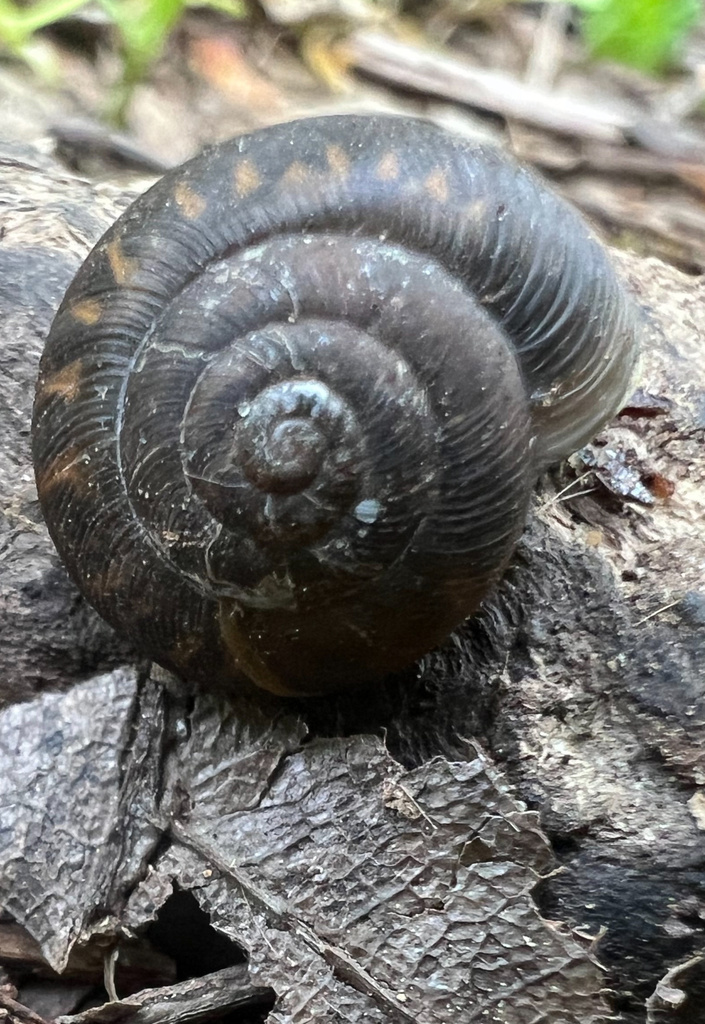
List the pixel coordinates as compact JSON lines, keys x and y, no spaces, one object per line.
{"x":293,"y":405}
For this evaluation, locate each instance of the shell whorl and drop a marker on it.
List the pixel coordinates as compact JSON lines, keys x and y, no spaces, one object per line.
{"x":292,"y":407}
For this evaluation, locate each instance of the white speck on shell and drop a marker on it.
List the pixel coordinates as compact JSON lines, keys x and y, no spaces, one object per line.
{"x":368,"y":510}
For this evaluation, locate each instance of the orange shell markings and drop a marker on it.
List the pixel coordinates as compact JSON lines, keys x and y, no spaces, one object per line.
{"x":338,"y":161}
{"x":388,"y":167}
{"x":436,"y":185}
{"x":86,"y":311}
{"x":189,"y":201}
{"x":297,"y":174}
{"x":70,"y":470}
{"x":247,"y":178}
{"x":123,"y":267}
{"x":65,"y":383}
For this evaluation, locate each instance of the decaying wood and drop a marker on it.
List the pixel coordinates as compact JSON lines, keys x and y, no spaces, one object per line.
{"x":512,"y":831}
{"x":189,"y":1002}
{"x":139,"y":961}
{"x":15,"y":1013}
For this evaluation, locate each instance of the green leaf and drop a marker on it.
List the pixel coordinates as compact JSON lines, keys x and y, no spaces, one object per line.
{"x":233,"y":8}
{"x":584,"y":5}
{"x":18,"y":24}
{"x":645,"y":34}
{"x":144,"y":26}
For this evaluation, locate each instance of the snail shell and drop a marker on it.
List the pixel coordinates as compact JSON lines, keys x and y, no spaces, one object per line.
{"x":293,"y":405}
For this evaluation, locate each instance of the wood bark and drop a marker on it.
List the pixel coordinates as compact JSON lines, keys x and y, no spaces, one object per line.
{"x":572,"y":708}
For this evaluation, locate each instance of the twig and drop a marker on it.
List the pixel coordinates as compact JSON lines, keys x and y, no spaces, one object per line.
{"x":564,"y":490}
{"x":14,"y":1011}
{"x":549,"y":46}
{"x":196,"y":1000}
{"x":435,"y":73}
{"x":663,"y":608}
{"x":109,"y":964}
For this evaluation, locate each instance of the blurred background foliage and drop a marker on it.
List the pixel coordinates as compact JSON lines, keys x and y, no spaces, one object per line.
{"x":143,"y":26}
{"x":645,"y":34}
{"x":606,"y":98}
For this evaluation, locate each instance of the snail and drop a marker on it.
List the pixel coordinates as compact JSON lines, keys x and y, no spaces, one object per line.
{"x":292,"y":408}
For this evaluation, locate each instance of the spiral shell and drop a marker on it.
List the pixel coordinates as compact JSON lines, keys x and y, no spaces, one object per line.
{"x":293,"y":405}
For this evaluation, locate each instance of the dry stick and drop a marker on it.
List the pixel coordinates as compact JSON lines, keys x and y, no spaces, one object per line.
{"x":652,"y":615}
{"x":577,"y":494}
{"x":673,"y":218}
{"x":187,"y":1002}
{"x":436,"y":73}
{"x":109,"y":963}
{"x":433,"y":72}
{"x":568,"y":487}
{"x":11,"y":1010}
{"x":549,"y":46}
